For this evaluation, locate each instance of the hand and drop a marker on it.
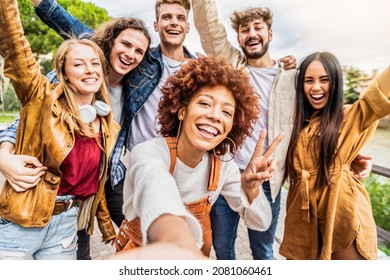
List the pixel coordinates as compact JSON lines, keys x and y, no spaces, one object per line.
{"x":16,"y":172}
{"x":159,"y":251}
{"x":289,"y":62}
{"x":260,"y":167}
{"x":111,"y":240}
{"x":362,"y":166}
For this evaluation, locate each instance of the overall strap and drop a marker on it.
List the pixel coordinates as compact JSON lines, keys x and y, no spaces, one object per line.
{"x":215,"y":168}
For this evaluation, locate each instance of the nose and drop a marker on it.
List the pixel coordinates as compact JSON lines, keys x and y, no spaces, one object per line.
{"x":174,"y":21}
{"x":130,"y":53}
{"x":215,"y":114}
{"x":252,"y":32}
{"x":89,"y":68}
{"x":316,"y":86}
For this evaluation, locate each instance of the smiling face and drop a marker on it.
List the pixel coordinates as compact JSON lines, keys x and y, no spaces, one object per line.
{"x":127,"y":52}
{"x":172,"y":25}
{"x":206,"y":122}
{"x":83,"y":70}
{"x":316,"y":85}
{"x":254,"y":38}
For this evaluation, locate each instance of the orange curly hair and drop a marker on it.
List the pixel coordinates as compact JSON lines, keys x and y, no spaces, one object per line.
{"x":209,"y":71}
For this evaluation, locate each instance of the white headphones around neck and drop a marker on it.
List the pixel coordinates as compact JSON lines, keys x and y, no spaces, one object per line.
{"x":88,"y":113}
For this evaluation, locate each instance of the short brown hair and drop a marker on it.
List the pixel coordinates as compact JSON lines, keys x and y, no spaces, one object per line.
{"x":185,"y":3}
{"x":239,"y":18}
{"x":209,"y":71}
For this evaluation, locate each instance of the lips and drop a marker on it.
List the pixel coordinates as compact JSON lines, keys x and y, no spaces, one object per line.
{"x":89,"y":80}
{"x":125,"y":62}
{"x":317,"y":97}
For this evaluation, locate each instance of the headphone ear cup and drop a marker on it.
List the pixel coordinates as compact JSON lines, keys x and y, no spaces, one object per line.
{"x":87,"y":113}
{"x":102,"y":108}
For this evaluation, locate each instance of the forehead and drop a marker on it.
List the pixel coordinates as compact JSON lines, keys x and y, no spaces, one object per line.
{"x":316,"y":68}
{"x":252,"y":21}
{"x":132,"y":35}
{"x":83,"y":52}
{"x":219,"y":93}
{"x":172,"y":8}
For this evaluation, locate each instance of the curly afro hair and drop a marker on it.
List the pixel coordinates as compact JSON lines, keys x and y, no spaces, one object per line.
{"x":209,"y":71}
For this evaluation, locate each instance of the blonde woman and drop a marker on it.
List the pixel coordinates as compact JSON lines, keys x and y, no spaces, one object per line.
{"x":68,"y":127}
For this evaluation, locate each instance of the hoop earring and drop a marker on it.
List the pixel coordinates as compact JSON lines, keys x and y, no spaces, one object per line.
{"x":234,"y":154}
{"x":178,"y":132}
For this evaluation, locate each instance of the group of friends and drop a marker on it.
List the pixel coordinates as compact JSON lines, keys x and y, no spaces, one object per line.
{"x":175,"y":148}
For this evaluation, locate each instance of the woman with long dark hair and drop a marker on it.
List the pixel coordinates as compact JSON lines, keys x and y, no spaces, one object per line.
{"x":329,"y":212}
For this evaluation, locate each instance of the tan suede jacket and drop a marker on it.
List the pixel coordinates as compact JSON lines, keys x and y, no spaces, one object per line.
{"x":40,"y":132}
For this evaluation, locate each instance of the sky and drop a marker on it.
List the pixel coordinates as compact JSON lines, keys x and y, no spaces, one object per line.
{"x":356,"y":31}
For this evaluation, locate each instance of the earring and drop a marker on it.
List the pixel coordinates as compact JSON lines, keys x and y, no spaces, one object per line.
{"x":234,"y":150}
{"x":178,"y":131}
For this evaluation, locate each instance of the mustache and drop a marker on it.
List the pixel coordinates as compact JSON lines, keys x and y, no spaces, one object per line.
{"x":253,"y":39}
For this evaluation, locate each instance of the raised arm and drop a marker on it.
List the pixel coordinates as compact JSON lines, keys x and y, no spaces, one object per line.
{"x":57,"y":18}
{"x":20,"y":65}
{"x":212,"y":32}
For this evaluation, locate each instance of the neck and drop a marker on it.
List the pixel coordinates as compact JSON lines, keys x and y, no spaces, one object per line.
{"x":173,"y":52}
{"x":263,"y":62}
{"x":114,"y":79}
{"x":188,"y":156}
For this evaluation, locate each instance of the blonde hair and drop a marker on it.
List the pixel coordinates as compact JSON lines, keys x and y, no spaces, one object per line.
{"x":70,"y":116}
{"x":185,"y":3}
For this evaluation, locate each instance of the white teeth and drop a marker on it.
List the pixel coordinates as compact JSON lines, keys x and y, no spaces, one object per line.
{"x":124,"y":62}
{"x":174,"y":32}
{"x":317,"y":95}
{"x":209,"y":129}
{"x":90,"y":80}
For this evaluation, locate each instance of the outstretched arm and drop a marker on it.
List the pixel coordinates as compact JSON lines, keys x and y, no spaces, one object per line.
{"x":57,"y":18}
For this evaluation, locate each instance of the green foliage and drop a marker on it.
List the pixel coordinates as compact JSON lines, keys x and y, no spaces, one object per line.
{"x":380,"y":200}
{"x":384,"y":249}
{"x":351,"y":93}
{"x":44,"y":40}
{"x":11,"y":101}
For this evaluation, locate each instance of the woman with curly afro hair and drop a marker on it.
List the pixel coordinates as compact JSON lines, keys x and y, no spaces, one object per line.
{"x":206,"y":111}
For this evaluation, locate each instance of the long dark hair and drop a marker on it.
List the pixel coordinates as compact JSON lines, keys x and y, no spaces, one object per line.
{"x":331,"y":117}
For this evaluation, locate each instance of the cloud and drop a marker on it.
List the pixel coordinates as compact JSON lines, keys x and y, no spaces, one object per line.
{"x":356,"y":31}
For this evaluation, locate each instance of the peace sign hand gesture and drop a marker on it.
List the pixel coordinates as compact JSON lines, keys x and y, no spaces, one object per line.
{"x":261,"y":167}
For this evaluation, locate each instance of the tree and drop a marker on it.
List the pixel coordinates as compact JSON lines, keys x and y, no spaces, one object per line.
{"x":11,"y":101}
{"x":44,"y":40}
{"x":353,"y":81}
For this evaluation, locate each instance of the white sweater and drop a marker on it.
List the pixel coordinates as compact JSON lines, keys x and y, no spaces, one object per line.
{"x":150,"y":190}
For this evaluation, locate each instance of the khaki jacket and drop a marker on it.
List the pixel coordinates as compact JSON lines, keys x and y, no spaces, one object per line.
{"x":281,"y":106}
{"x":40,"y":132}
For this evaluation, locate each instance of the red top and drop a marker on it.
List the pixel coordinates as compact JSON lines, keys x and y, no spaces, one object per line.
{"x":80,"y":169}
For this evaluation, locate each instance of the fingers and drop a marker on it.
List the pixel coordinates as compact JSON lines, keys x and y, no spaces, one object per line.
{"x":363,"y":157}
{"x":260,"y":144}
{"x":29,"y":160}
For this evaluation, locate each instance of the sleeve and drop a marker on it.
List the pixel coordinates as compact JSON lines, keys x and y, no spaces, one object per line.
{"x":104,"y":220}
{"x":57,"y":18}
{"x":258,"y":215}
{"x":373,"y":105}
{"x":151,"y":191}
{"x":212,"y":32}
{"x":9,"y":134}
{"x":20,"y":65}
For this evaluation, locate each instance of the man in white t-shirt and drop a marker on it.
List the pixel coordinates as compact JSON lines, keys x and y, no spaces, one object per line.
{"x":276,"y":87}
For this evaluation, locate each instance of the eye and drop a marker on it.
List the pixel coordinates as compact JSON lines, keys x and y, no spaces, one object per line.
{"x":140,"y":52}
{"x":228,"y":113}
{"x":205,"y":104}
{"x":96,"y":63}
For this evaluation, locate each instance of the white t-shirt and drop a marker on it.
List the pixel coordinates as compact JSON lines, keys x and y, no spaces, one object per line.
{"x":150,"y":190}
{"x":262,"y":80}
{"x":145,"y":123}
{"x":117,"y":100}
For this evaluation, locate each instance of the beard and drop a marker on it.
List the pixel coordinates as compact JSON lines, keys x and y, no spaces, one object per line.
{"x":256,"y":54}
